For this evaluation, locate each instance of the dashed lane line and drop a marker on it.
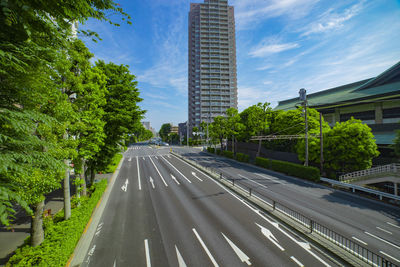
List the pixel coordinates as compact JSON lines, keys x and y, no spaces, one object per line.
{"x":176,"y":170}
{"x":162,"y":178}
{"x":146,"y":247}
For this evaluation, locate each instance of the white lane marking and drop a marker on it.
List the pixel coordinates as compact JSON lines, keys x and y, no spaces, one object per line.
{"x":181,"y":262}
{"x":130,"y":159}
{"x":98,"y":229}
{"x":269,"y":178}
{"x":205,"y":248}
{"x":270,"y":236}
{"x":115,"y":263}
{"x":297,"y":261}
{"x":243,"y":257}
{"x":143,"y":158}
{"x":359,"y":240}
{"x":383,"y":240}
{"x":176,"y":169}
{"x":156,"y":157}
{"x":158,"y":171}
{"x":387,"y":255}
{"x":125,"y":186}
{"x":304,"y":245}
{"x":393,"y":224}
{"x":195,"y":175}
{"x":146,"y":247}
{"x":253,"y":181}
{"x":173,"y":178}
{"x":138,"y":174}
{"x":384,"y":230}
{"x":152,"y":182}
{"x":169,"y":156}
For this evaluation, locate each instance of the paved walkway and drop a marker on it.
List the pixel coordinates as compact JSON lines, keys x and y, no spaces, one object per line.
{"x":13,"y":237}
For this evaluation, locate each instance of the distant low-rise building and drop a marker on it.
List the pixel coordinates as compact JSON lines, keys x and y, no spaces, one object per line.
{"x":375,"y":101}
{"x":182,"y":131}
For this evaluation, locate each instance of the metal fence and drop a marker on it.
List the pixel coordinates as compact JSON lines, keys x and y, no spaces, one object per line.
{"x":349,"y":245}
{"x":389,"y":168}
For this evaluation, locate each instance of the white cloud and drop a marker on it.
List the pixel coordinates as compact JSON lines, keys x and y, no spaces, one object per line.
{"x":330,"y":20}
{"x":271,"y":48}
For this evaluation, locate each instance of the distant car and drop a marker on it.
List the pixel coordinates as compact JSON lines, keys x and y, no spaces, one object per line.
{"x":165,"y":144}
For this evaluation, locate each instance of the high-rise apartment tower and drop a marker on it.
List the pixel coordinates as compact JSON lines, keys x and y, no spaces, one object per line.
{"x":212,"y":61}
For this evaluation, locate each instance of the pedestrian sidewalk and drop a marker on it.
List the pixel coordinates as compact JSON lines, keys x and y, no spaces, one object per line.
{"x":13,"y":236}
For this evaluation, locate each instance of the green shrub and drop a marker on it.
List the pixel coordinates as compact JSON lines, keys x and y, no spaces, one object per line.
{"x":242,"y":157}
{"x":228,"y":154}
{"x":219,"y":151}
{"x":114,"y":164}
{"x":297,"y":170}
{"x":61,"y":236}
{"x":211,"y":149}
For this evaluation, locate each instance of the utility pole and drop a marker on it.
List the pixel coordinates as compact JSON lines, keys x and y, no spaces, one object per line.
{"x":208,"y":121}
{"x":187,"y":132}
{"x":321,"y":142}
{"x":303,"y":97}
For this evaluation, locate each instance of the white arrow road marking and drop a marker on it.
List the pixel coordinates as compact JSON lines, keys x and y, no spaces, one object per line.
{"x":205,"y":248}
{"x":195,"y":175}
{"x":176,"y":169}
{"x":152,"y":182}
{"x":125,"y":186}
{"x":115,"y":263}
{"x":138,"y":174}
{"x":181,"y":262}
{"x":162,"y":178}
{"x":169,"y":156}
{"x":297,"y":261}
{"x":243,"y":257}
{"x":146,"y":247}
{"x":270,"y":236}
{"x":387,"y":255}
{"x":393,"y":224}
{"x":143,"y":158}
{"x":130,"y":159}
{"x":173,"y":178}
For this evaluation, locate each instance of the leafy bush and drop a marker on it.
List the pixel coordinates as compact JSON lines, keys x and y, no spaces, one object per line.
{"x":242,"y":157}
{"x":219,"y":152}
{"x":61,"y":236}
{"x":211,"y":149}
{"x":297,"y":170}
{"x":114,"y":164}
{"x":228,"y":154}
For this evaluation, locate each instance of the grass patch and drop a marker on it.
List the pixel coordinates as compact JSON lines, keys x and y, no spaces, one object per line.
{"x":61,"y":236}
{"x":114,"y":164}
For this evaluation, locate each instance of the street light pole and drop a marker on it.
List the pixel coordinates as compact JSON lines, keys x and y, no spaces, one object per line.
{"x":303,"y":97}
{"x":187,"y":132}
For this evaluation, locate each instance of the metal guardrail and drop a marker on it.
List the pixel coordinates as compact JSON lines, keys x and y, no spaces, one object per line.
{"x":391,"y":168}
{"x":361,"y":188}
{"x":315,"y":227}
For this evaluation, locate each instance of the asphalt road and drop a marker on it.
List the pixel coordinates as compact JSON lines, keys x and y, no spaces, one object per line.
{"x":163,"y":212}
{"x":372,"y":224}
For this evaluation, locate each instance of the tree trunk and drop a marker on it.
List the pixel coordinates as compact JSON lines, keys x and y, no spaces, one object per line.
{"x":67,"y":194}
{"x":259,"y":148}
{"x":82,"y":175}
{"x":37,"y":233}
{"x":92,"y":175}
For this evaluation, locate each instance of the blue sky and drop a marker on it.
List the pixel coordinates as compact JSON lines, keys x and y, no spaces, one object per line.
{"x":282,"y":46}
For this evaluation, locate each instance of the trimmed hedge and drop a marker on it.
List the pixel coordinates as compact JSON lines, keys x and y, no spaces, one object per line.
{"x":297,"y":170}
{"x":242,"y":157}
{"x":61,"y":236}
{"x":114,"y":164}
{"x":219,"y":151}
{"x":211,"y":149}
{"x":228,"y":154}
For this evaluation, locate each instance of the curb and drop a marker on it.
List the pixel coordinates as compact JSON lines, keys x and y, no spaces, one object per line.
{"x":79,"y":254}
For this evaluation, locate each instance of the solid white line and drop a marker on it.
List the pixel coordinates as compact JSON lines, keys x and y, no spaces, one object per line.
{"x":362,"y":242}
{"x":130,"y":159}
{"x":383,"y":240}
{"x":195,"y":175}
{"x":173,"y":178}
{"x":387,"y":255}
{"x":156,"y":157}
{"x":306,"y":247}
{"x":143,"y":158}
{"x":297,"y":261}
{"x":253,"y":181}
{"x":115,"y":263}
{"x":393,"y":224}
{"x":384,"y":230}
{"x":243,"y":257}
{"x":146,"y":247}
{"x":176,"y":169}
{"x":138,"y":174}
{"x":205,"y":248}
{"x":181,"y":262}
{"x":158,"y":172}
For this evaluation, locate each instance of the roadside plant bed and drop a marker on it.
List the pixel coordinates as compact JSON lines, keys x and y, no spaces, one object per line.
{"x":61,"y":236}
{"x":211,"y":149}
{"x":114,"y":164}
{"x":242,"y":157}
{"x":297,"y":170}
{"x":228,"y":154}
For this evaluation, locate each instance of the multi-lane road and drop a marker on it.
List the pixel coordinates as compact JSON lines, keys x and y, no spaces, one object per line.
{"x":163,"y":212}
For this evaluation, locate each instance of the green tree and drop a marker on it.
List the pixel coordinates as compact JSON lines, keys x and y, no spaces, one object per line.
{"x":234,"y":127}
{"x":218,"y":129}
{"x":255,"y":120}
{"x":164,"y":131}
{"x":122,"y":113}
{"x":349,"y":146}
{"x":396,"y":144}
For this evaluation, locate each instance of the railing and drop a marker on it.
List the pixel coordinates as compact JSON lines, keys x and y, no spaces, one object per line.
{"x":313,"y":226}
{"x":390,"y":168}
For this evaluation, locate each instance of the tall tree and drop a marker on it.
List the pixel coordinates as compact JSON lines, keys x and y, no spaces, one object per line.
{"x":164,"y":131}
{"x":234,"y":126}
{"x":255,"y":120}
{"x":218,"y":129}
